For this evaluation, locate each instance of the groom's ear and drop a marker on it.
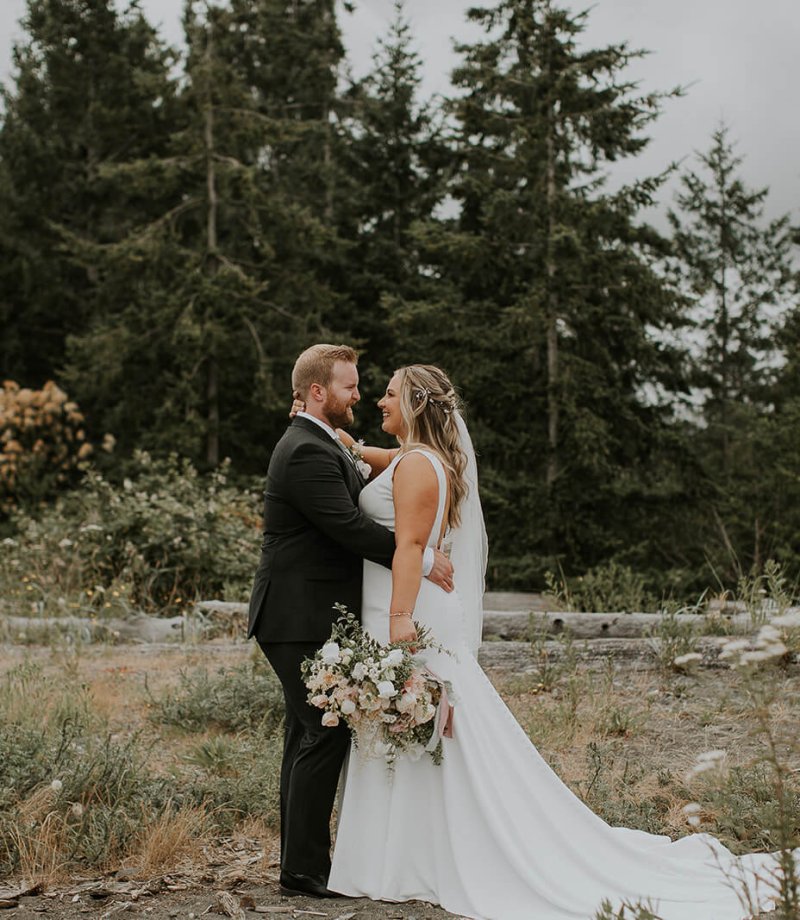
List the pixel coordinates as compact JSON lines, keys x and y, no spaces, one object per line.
{"x":316,"y":393}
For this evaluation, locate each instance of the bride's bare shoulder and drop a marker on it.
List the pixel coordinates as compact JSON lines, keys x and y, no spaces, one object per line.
{"x":413,"y":463}
{"x":414,"y":472}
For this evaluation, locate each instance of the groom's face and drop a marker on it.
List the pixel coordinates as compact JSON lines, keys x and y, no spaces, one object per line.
{"x":341,"y":395}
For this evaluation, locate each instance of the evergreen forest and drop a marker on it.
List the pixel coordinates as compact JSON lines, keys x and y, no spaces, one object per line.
{"x":177,"y":224}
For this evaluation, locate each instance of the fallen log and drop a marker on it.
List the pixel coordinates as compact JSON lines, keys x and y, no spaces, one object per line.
{"x":508,"y":622}
{"x":137,"y":628}
{"x":518,"y":625}
{"x":228,"y":619}
{"x":635,"y":654}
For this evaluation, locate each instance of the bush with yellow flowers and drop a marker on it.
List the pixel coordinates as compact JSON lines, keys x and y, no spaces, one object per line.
{"x":42,"y":443}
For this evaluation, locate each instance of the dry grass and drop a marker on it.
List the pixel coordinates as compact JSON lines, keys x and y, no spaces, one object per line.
{"x":175,"y":838}
{"x":40,"y":837}
{"x":623,"y":740}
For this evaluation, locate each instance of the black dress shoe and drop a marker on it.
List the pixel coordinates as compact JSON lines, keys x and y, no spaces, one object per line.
{"x":311,"y":886}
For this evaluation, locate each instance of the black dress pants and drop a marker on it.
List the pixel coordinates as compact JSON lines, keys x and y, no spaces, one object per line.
{"x":312,"y":762}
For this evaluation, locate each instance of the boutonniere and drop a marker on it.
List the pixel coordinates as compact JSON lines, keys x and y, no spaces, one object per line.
{"x":357,"y":451}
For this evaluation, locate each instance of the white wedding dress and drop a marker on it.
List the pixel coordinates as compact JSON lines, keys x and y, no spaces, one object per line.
{"x":492,"y":833}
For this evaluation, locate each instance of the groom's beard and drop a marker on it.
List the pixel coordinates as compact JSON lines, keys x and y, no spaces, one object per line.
{"x":339,"y":414}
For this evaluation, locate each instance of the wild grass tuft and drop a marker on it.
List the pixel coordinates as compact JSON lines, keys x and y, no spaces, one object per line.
{"x":245,"y":698}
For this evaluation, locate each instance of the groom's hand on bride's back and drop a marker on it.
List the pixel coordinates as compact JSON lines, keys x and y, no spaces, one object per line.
{"x":442,"y":572}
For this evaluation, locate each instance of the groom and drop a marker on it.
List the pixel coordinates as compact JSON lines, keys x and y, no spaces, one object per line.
{"x":315,"y":538}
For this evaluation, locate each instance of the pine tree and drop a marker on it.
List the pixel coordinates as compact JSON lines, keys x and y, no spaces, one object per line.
{"x":206,"y":305}
{"x":738,"y":270}
{"x":91,"y":87}
{"x":549,"y":291}
{"x":396,"y":162}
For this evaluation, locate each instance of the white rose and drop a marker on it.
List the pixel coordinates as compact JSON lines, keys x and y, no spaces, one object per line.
{"x":330,"y":653}
{"x":330,"y":719}
{"x":386,"y":690}
{"x":320,"y":700}
{"x":348,"y":707}
{"x":359,"y":671}
{"x":395,"y":657}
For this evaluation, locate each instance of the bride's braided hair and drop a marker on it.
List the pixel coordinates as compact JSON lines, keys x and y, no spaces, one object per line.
{"x":427,"y":404}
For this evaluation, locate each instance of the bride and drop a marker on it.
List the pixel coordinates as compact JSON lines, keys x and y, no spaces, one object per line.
{"x":492,"y":832}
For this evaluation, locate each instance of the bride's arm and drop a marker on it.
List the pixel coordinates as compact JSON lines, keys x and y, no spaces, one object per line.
{"x":377,"y":457}
{"x":416,"y":499}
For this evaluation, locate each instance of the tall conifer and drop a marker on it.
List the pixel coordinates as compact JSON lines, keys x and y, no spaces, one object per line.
{"x":737,"y":268}
{"x":549,"y":293}
{"x":396,"y":162}
{"x":90,"y":87}
{"x":207,"y":305}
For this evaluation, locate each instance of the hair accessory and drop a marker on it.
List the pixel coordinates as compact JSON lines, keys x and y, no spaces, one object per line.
{"x":446,"y":403}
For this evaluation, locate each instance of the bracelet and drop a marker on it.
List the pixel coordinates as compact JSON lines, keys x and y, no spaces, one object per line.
{"x":401,"y":613}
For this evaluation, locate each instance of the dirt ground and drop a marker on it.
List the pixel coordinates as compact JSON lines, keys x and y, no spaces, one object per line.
{"x":254,"y":900}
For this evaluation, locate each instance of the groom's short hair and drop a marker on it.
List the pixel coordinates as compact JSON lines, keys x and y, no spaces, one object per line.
{"x":315,"y":365}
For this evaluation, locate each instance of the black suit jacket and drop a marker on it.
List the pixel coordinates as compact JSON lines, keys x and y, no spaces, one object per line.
{"x":314,"y":539}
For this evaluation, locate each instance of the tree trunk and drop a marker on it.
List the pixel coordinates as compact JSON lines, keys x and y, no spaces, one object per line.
{"x":212,"y":366}
{"x":552,"y":313}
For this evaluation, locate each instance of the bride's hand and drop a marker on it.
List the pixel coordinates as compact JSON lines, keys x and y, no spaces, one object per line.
{"x":402,"y":629}
{"x":297,"y":406}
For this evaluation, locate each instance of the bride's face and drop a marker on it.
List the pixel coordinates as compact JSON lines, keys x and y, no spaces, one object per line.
{"x":389,"y":404}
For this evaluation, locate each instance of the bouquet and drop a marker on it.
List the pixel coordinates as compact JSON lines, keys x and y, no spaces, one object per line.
{"x":391,"y":702}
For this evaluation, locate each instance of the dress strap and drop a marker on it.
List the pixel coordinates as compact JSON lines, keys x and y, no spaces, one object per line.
{"x":441,"y":477}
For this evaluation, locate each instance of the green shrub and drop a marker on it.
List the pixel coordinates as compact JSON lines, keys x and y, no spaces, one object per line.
{"x":746,"y":808}
{"x":612,"y":794}
{"x":165,"y":536}
{"x":246,"y":698}
{"x":610,"y":587}
{"x":72,"y":793}
{"x":236,"y":777}
{"x":672,"y":638}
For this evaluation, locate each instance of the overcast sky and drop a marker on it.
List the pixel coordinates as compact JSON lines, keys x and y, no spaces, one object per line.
{"x":738,"y":58}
